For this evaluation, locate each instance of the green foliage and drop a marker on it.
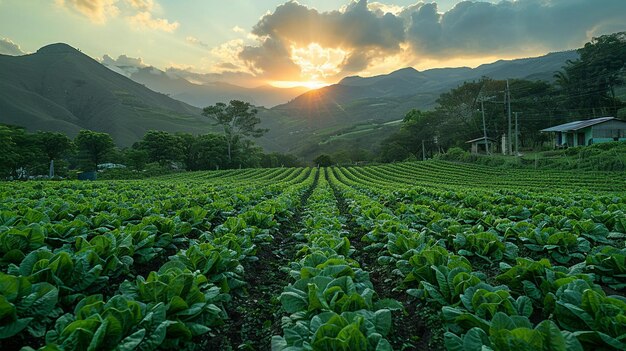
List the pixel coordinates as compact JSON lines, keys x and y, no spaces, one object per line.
{"x":589,"y":83}
{"x":25,"y":306}
{"x":93,"y":147}
{"x":507,"y":333}
{"x":323,"y":160}
{"x":238,"y":119}
{"x":162,"y":147}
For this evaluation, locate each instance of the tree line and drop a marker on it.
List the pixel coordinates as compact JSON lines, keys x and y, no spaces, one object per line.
{"x":588,"y":87}
{"x":26,"y":154}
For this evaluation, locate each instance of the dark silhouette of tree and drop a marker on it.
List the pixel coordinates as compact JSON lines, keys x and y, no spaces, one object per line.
{"x":237,"y":119}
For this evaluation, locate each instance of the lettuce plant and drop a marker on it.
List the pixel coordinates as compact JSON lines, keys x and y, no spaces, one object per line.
{"x":25,"y":306}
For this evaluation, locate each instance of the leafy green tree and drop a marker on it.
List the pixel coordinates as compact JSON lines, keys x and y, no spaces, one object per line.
{"x":54,"y":145}
{"x":203,"y":152}
{"x":136,"y":158}
{"x":393,"y":151}
{"x":210,"y":150}
{"x":323,"y":160}
{"x":238,"y":119}
{"x":20,"y":153}
{"x":246,"y":154}
{"x":162,"y":147}
{"x":93,"y":147}
{"x":589,"y":82}
{"x":9,"y":155}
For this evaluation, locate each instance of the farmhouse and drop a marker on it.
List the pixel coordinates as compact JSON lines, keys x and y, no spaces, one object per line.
{"x":482,"y":145}
{"x":587,"y":132}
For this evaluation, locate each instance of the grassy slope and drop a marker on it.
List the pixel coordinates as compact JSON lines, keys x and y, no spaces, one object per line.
{"x":59,"y":88}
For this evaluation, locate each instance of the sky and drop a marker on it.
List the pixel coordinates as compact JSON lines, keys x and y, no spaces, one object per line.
{"x":308,"y":42}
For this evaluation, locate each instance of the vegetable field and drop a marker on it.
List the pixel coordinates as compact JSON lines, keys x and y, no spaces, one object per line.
{"x":428,"y":255}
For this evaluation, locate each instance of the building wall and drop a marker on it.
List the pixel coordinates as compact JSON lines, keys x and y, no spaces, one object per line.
{"x":605,"y":140}
{"x":608,"y":131}
{"x":588,"y":136}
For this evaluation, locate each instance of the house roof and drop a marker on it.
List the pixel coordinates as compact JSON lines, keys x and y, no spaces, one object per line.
{"x":480,"y":139}
{"x":576,"y":125}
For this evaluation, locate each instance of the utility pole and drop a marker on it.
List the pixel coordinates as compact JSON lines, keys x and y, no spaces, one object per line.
{"x":482,"y":108}
{"x":508,"y":108}
{"x":423,"y":152}
{"x":516,"y":136}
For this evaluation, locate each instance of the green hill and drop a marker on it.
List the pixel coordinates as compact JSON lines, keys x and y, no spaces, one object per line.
{"x":59,"y":88}
{"x":324,"y":120}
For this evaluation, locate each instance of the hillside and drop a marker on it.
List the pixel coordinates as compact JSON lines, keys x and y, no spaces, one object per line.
{"x":317,"y":120}
{"x":59,"y":88}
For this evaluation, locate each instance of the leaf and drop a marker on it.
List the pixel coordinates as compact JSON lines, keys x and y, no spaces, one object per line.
{"x":524,"y":306}
{"x":132,"y":341}
{"x":382,"y":321}
{"x":292,"y":302}
{"x":553,"y":339}
{"x":9,"y":330}
{"x":475,"y":339}
{"x":453,"y":342}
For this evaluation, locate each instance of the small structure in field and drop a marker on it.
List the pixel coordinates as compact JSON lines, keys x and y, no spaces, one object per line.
{"x":482,"y":145}
{"x":587,"y":132}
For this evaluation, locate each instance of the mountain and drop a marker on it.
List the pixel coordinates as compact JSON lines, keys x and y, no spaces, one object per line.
{"x":208,"y":93}
{"x":59,"y":88}
{"x":409,"y":81}
{"x":322,"y":116}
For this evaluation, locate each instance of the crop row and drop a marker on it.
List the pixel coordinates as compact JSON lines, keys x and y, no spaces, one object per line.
{"x":331,"y":302}
{"x":53,"y":286}
{"x":442,"y":174}
{"x":471,"y":252}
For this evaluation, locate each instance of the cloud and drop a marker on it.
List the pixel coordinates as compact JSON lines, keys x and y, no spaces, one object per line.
{"x":227,"y":66}
{"x":123,"y":61}
{"x":196,"y":41}
{"x":272,"y":59}
{"x":356,"y":30}
{"x":371,"y":35}
{"x":509,"y":28}
{"x":229,"y":53}
{"x":143,"y":5}
{"x":123,"y":65}
{"x":144,"y":20}
{"x":98,"y":11}
{"x":238,"y":29}
{"x":139,"y":13}
{"x":243,"y":79}
{"x":8,"y":47}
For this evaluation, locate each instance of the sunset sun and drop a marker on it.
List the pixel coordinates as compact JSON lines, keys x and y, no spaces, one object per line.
{"x":310,"y":84}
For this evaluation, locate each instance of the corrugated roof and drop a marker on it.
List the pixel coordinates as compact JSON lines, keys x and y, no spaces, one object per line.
{"x":481,"y":139}
{"x":571,"y":126}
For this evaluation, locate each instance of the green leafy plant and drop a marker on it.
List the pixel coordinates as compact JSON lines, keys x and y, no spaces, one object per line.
{"x":25,"y":306}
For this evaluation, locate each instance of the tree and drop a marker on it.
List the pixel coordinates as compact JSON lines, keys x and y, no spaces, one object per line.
{"x":94,"y":146}
{"x":203,"y":152}
{"x":20,"y":152}
{"x":135,"y":157}
{"x":54,"y":145}
{"x":276,"y":159}
{"x":589,"y":82}
{"x":237,"y":119}
{"x":162,"y":147}
{"x":323,"y":160}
